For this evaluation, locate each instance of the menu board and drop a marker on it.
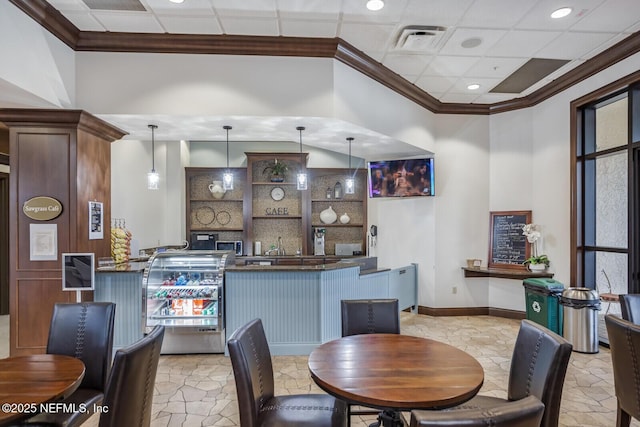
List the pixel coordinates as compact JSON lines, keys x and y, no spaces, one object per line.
{"x":508,"y":247}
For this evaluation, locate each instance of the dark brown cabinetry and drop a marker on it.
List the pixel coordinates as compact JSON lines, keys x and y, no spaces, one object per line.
{"x":62,"y":154}
{"x":261,"y":210}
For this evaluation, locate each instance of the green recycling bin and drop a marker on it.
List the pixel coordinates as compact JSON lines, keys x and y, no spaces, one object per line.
{"x":542,"y":296}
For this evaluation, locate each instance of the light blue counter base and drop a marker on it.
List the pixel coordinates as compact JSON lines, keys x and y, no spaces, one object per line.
{"x":301,"y":309}
{"x":124,"y":289}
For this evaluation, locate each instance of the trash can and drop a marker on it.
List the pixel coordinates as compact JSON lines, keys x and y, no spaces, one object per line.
{"x":542,"y":299}
{"x":580,"y":311}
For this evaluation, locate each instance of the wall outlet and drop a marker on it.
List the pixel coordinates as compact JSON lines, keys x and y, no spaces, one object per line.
{"x":454,"y":290}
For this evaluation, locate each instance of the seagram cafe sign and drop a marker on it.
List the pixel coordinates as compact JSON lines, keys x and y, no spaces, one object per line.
{"x":42,"y":208}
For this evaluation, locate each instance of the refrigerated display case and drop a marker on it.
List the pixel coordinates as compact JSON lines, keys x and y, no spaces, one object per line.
{"x":184,"y":291}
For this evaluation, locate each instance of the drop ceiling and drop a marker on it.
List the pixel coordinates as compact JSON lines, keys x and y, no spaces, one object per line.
{"x":478,"y":41}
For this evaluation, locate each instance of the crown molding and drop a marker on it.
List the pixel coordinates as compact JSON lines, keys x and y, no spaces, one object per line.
{"x":336,"y":48}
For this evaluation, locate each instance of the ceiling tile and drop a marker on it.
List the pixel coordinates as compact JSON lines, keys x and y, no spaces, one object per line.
{"x":436,"y":12}
{"x":135,"y":22}
{"x":207,"y":24}
{"x":435,"y":84}
{"x":493,"y":67}
{"x":253,"y":8}
{"x":521,"y":44}
{"x":84,"y":21}
{"x":453,"y":46}
{"x":539,"y":16}
{"x":299,"y":28}
{"x":250,"y":26}
{"x":65,"y":5}
{"x":367,"y":36}
{"x":309,"y":9}
{"x":486,"y":85}
{"x":615,"y":39}
{"x":573,"y":45}
{"x":450,"y":65}
{"x":406,"y":64}
{"x":610,"y":16}
{"x":495,"y":13}
{"x":190,"y":7}
{"x":356,"y":11}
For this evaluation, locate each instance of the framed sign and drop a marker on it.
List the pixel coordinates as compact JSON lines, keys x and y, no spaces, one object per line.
{"x":508,"y":247}
{"x":95,"y":221}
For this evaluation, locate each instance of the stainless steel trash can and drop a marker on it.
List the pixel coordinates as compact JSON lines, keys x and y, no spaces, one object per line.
{"x":580,"y":318}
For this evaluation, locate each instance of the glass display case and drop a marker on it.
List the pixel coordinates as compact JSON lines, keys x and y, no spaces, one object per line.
{"x":183,"y":290}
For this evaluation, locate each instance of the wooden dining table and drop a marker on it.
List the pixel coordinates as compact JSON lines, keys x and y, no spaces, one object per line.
{"x":395,"y":372}
{"x":27,"y":382}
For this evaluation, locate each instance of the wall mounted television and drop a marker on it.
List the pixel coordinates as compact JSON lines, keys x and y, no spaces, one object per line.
{"x":401,"y":178}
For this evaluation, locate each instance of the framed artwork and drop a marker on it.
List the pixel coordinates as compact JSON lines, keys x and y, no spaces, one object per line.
{"x":96,"y":226}
{"x":43,"y":242}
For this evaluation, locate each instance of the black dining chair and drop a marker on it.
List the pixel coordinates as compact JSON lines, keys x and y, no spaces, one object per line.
{"x":129,"y":392}
{"x":624,"y":342}
{"x":85,"y":331}
{"x":253,"y":373}
{"x":538,"y":367}
{"x":630,"y":306}
{"x":525,"y":412}
{"x":369,"y":316}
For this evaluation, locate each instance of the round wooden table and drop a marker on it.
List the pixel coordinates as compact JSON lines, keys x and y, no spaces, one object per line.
{"x":28,"y":381}
{"x":396,"y":372}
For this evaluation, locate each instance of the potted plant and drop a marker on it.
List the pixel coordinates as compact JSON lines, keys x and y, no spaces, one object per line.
{"x":535,"y":262}
{"x":278,"y":171}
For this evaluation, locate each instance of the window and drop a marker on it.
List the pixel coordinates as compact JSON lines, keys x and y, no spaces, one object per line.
{"x":606,"y":198}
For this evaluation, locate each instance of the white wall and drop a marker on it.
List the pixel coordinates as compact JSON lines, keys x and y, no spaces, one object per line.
{"x":37,"y":69}
{"x":534,"y":144}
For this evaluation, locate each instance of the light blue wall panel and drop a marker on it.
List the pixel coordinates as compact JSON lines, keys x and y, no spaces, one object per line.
{"x":125,"y":289}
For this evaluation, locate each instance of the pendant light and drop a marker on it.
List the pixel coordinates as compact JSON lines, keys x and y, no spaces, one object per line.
{"x":350,"y":183}
{"x":153,"y":179}
{"x":227,"y":177}
{"x":301,"y":181}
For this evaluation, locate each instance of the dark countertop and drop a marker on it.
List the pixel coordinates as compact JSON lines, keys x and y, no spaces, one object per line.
{"x":128,"y":267}
{"x":319,"y":267}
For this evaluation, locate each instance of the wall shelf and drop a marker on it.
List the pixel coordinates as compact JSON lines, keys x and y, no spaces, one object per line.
{"x":503,"y":273}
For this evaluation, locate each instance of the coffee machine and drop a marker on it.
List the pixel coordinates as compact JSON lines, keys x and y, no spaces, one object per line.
{"x":318,"y":240}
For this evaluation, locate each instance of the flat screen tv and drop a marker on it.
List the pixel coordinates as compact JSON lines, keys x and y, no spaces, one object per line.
{"x":78,"y":272}
{"x":401,"y":178}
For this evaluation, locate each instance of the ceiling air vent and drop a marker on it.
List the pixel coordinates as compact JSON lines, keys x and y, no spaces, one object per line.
{"x":421,"y":38}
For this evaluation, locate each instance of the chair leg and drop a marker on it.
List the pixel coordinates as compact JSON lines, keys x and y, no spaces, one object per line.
{"x":623,"y":419}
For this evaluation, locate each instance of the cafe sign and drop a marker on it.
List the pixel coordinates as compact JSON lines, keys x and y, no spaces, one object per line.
{"x":42,"y":208}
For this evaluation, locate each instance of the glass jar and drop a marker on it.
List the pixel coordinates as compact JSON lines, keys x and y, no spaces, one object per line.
{"x":337,"y":191}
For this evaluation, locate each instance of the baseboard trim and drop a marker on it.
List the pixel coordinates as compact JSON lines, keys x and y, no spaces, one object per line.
{"x":472,"y":311}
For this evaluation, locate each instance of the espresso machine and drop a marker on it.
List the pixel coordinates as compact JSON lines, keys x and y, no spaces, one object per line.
{"x":318,"y":240}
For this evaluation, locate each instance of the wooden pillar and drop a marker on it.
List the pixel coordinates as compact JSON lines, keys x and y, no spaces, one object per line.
{"x":65,"y":155}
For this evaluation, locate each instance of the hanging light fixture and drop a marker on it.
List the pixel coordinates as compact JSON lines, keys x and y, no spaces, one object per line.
{"x":153,"y":179}
{"x":227,"y":177}
{"x":350,"y":182}
{"x":301,"y":181}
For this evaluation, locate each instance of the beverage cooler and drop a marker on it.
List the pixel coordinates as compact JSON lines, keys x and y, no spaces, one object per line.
{"x":184,"y":291}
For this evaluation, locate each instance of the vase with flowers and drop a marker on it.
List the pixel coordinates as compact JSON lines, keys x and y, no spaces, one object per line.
{"x":536,"y":262}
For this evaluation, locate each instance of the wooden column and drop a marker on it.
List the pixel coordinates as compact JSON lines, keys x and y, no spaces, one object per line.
{"x":66,"y":155}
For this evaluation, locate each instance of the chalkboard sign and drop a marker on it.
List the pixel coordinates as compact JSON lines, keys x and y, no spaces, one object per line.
{"x":508,"y":247}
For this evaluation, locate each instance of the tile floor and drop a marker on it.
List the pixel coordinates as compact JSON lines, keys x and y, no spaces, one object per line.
{"x":198,"y":390}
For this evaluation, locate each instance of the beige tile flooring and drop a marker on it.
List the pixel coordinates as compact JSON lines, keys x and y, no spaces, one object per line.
{"x":198,"y":390}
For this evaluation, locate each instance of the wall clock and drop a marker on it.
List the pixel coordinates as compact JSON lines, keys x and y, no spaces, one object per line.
{"x":277,"y":194}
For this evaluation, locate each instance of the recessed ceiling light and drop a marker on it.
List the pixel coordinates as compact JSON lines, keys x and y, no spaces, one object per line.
{"x":375,"y":5}
{"x":561,"y":13}
{"x":176,"y":1}
{"x":473,"y":86}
